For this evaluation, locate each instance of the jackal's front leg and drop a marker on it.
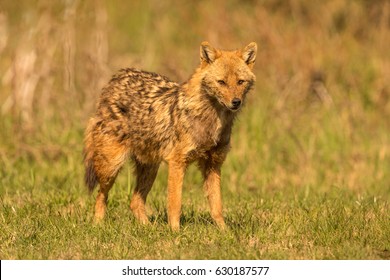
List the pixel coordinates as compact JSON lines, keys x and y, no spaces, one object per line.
{"x":211,"y":170}
{"x":212,"y":186}
{"x":175,"y":185}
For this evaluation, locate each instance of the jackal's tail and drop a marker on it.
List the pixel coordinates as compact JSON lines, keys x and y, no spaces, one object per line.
{"x":90,"y":177}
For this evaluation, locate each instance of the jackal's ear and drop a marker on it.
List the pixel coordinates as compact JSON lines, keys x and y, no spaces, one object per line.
{"x":207,"y":53}
{"x":249,"y":53}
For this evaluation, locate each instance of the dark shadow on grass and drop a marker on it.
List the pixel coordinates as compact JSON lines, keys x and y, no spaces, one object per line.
{"x":187,"y":219}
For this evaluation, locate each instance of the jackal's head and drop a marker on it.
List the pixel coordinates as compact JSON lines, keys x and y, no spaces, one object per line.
{"x":227,"y":75}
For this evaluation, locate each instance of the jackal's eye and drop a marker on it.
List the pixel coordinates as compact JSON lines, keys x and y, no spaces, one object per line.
{"x":240,"y":82}
{"x":221,"y":82}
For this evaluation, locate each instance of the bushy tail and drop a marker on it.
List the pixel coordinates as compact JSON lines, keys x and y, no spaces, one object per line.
{"x":90,"y":177}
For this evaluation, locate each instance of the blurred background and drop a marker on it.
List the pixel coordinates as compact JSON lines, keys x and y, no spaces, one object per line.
{"x":320,"y":113}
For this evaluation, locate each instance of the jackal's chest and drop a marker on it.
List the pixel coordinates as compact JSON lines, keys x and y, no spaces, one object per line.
{"x":206,"y":134}
{"x":207,"y":137}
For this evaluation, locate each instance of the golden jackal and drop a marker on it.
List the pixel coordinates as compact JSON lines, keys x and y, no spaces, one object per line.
{"x":147,"y":117}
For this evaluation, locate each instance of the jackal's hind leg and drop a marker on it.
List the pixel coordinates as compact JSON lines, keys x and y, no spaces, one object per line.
{"x":146,"y":174}
{"x":107,"y":162}
{"x":102,"y":197}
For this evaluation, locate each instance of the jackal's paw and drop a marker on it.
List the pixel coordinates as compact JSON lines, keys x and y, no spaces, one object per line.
{"x":144,"y":220}
{"x":174,"y":226}
{"x":98,"y":219}
{"x":221,"y":225}
{"x":141,"y":217}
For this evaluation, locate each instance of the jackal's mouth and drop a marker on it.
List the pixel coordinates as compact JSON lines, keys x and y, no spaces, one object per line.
{"x":232,"y":108}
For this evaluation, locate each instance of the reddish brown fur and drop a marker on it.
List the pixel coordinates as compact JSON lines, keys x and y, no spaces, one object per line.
{"x":151,"y":119}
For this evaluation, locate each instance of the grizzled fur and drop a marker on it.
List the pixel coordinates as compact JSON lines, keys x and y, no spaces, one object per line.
{"x":148,"y":118}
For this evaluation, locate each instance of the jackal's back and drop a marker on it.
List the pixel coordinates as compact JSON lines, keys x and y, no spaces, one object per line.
{"x":137,"y":109}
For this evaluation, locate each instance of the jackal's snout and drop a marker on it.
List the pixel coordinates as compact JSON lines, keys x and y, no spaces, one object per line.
{"x":235,"y":104}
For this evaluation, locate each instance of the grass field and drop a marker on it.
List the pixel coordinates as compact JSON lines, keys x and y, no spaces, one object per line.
{"x":308,"y":176}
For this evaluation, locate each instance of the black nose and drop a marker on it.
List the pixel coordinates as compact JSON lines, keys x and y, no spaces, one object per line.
{"x":236,"y":102}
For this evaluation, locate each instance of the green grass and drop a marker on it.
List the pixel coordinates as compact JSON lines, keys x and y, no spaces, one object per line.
{"x":305,"y":178}
{"x":56,"y":224}
{"x":50,"y":221}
